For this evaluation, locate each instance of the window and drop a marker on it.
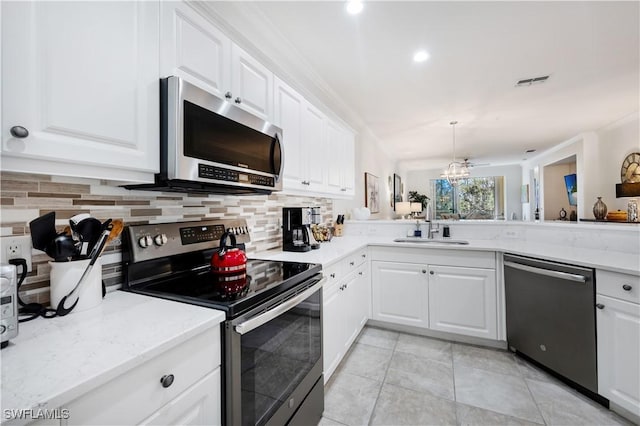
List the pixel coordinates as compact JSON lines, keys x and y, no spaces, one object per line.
{"x":472,"y":198}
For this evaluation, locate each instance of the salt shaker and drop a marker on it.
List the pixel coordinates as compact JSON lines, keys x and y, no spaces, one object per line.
{"x":632,"y":211}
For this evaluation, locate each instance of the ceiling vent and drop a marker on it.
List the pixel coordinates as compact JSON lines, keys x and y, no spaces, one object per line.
{"x":530,"y":81}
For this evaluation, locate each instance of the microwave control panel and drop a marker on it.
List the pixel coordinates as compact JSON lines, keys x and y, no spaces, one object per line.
{"x":219,"y":173}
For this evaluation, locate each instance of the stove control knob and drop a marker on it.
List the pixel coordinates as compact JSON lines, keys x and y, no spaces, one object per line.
{"x":160,"y":239}
{"x":145,"y":241}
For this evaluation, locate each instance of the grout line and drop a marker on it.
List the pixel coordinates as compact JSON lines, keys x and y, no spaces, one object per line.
{"x":453,"y":378}
{"x":384,"y":379}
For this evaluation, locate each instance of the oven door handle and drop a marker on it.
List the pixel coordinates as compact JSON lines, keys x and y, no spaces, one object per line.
{"x":262,"y":319}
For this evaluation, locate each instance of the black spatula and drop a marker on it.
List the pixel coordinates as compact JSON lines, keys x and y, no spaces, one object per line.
{"x":43,"y":230}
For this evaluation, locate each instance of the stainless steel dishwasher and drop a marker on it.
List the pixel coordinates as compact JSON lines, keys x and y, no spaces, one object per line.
{"x":551,"y":316}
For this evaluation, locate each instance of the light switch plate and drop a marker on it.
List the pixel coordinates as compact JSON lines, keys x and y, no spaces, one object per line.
{"x":16,"y":247}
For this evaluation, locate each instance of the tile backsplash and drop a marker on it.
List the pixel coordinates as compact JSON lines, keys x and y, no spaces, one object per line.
{"x":24,"y":197}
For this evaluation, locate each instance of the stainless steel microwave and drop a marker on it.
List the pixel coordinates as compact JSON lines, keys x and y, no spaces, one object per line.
{"x":209,"y":145}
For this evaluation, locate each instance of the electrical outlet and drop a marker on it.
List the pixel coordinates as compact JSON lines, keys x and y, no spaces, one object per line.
{"x":16,"y":247}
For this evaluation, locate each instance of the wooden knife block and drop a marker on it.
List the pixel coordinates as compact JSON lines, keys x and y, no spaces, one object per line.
{"x":338,"y":230}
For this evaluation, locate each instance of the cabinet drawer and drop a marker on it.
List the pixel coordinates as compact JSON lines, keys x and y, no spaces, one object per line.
{"x":136,"y":394}
{"x":621,"y":286}
{"x":333,"y":273}
{"x":354,"y":260}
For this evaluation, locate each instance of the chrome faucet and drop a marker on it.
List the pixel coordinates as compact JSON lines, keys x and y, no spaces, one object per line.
{"x":433,"y":228}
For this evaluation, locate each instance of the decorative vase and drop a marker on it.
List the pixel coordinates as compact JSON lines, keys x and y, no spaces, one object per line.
{"x":600,"y":209}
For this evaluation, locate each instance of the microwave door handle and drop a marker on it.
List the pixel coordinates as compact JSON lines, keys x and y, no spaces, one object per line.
{"x":277,"y":145}
{"x":255,"y":322}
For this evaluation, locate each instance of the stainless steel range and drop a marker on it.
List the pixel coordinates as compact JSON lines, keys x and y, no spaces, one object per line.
{"x":272,"y":344}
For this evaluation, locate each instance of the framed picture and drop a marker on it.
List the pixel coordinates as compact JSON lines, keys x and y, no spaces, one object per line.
{"x":397,"y":190}
{"x":524,"y":193}
{"x":371,"y":192}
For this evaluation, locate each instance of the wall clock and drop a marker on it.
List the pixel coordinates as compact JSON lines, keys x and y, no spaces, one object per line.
{"x":630,"y":170}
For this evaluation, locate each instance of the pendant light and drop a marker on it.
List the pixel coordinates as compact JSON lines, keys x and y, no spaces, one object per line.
{"x":456,"y":170}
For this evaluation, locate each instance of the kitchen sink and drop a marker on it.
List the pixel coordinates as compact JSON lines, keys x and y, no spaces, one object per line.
{"x":428,"y":241}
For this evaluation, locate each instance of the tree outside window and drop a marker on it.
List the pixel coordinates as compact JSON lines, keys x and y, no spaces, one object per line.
{"x":472,"y":198}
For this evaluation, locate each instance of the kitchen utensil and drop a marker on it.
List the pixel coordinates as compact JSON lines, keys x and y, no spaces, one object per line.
{"x":62,"y":248}
{"x":228,"y":259}
{"x":43,"y":230}
{"x":61,"y":310}
{"x":88,"y":230}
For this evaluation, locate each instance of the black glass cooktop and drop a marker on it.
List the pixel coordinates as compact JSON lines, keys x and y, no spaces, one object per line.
{"x":235,"y":293}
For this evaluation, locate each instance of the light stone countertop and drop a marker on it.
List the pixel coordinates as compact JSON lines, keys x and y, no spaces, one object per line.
{"x":54,"y":361}
{"x":339,"y":247}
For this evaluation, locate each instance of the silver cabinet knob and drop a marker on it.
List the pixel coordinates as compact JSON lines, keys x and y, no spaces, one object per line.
{"x":19,"y":132}
{"x":424,"y":271}
{"x":599,"y":306}
{"x":627,"y":287}
{"x":238,"y":100}
{"x":228,"y":95}
{"x":432,"y":273}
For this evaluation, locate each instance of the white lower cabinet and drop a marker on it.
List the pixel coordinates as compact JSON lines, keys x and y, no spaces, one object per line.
{"x":463,"y":301}
{"x":139,"y":396}
{"x":400,"y":293}
{"x":618,"y":331}
{"x":346,"y":306}
{"x":198,"y":405}
{"x":442,"y":290}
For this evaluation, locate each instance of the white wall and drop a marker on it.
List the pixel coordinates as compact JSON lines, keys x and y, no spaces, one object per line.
{"x":599,"y":155}
{"x":419,"y":180}
{"x":370,"y":158}
{"x":616,"y":141}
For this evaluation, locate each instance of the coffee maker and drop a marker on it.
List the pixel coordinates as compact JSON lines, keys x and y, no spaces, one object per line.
{"x":296,"y":228}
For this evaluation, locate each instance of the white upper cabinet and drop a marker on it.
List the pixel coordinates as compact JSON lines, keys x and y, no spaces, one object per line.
{"x":251,"y":84}
{"x":341,"y":164}
{"x":313,"y":149}
{"x":287,"y":114}
{"x":193,"y":49}
{"x":82,"y":79}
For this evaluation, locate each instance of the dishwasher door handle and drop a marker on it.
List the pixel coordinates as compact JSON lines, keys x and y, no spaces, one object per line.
{"x":547,"y":272}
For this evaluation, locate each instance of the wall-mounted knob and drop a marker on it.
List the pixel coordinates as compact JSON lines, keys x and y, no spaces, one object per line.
{"x":167,"y":380}
{"x":599,"y":306}
{"x":228,"y":95}
{"x":238,"y":101}
{"x":19,"y":132}
{"x":627,"y":287}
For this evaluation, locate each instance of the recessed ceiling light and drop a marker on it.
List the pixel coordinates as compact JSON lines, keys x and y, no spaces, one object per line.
{"x":354,"y":7}
{"x":420,"y":56}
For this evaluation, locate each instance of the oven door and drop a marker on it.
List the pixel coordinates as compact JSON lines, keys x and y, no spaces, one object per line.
{"x":273,"y":360}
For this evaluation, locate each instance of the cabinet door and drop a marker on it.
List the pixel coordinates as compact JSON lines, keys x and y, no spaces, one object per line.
{"x":352,"y":309}
{"x":349,"y":164}
{"x":287,"y":115}
{"x":194,"y":49}
{"x":400,"y":293}
{"x":82,"y":77}
{"x":313,"y":128}
{"x":618,"y":325}
{"x":251,"y":84}
{"x":333,"y":328}
{"x":335,"y":151}
{"x":463,"y":301}
{"x":198,"y":405}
